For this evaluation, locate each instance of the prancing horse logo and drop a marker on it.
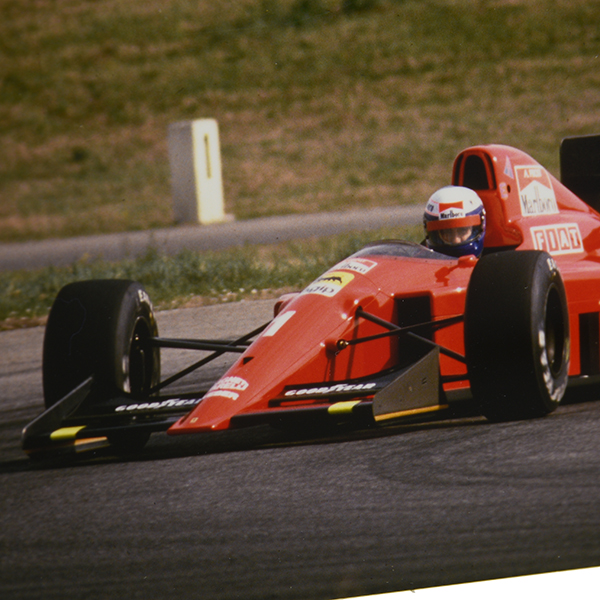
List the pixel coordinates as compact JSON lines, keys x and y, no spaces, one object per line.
{"x":329,"y":284}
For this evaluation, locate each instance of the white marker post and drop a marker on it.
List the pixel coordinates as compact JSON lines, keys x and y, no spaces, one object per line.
{"x":195,"y":158}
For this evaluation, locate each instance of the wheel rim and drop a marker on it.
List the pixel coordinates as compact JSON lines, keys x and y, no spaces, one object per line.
{"x":554,"y":331}
{"x":141,"y":360}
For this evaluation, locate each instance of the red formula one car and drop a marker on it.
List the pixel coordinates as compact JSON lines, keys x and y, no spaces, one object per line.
{"x":394,"y":332}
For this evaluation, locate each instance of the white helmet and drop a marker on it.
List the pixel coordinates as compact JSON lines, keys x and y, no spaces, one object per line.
{"x":454,"y":221}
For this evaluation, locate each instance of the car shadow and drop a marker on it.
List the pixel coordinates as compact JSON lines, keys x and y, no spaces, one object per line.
{"x":261,"y":437}
{"x":165,"y":447}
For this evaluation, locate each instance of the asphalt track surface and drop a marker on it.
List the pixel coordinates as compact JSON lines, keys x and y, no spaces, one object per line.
{"x":255,"y":515}
{"x":268,"y":230}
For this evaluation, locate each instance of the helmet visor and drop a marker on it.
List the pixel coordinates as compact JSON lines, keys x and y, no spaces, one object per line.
{"x":455,"y":232}
{"x":455,"y":236}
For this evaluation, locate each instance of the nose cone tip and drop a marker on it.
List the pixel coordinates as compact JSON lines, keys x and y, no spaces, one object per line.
{"x":200,"y":420}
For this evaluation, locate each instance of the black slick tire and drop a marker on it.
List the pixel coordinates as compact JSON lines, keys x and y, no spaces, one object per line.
{"x":517,"y":335}
{"x":101,"y":328}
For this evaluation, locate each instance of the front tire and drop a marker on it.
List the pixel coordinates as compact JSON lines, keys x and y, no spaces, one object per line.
{"x":517,"y":335}
{"x":100,"y":328}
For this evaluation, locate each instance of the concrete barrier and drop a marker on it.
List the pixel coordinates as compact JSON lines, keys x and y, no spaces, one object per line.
{"x":195,"y":159}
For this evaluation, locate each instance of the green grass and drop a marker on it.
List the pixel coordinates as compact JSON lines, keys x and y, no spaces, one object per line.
{"x":190,"y":278}
{"x":322,"y":104}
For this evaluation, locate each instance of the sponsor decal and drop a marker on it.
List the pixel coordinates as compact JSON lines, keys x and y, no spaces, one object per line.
{"x":154,"y":406}
{"x":231,"y":383}
{"x":228,"y":387}
{"x":278,"y":322}
{"x":325,"y":390}
{"x":536,"y":194}
{"x":358,"y":265}
{"x":452,"y":214}
{"x":451,"y":210}
{"x":557,"y":239}
{"x":448,"y":205}
{"x":329,"y":284}
{"x":223,"y":394}
{"x":503,"y":187}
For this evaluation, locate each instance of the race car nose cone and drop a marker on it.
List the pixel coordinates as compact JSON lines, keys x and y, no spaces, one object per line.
{"x":211,"y":417}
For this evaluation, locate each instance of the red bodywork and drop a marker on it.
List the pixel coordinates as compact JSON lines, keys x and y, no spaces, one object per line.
{"x":297,"y":362}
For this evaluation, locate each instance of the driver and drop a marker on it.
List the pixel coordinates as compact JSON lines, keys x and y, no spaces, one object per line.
{"x":454,"y":222}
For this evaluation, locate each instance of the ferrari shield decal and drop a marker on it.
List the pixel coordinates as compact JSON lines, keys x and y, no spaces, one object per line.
{"x":557,"y":239}
{"x":329,"y":284}
{"x":536,"y":193}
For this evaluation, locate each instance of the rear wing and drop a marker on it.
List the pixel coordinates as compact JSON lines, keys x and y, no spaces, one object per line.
{"x":580,"y":167}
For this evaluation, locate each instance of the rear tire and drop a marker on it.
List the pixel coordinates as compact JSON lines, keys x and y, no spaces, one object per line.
{"x":100,"y":328}
{"x":517,"y":335}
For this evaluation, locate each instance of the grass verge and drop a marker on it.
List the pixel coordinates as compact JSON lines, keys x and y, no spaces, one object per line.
{"x":190,"y":278}
{"x":322,"y":104}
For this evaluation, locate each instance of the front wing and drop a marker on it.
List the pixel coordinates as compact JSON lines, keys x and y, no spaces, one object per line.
{"x":82,"y":421}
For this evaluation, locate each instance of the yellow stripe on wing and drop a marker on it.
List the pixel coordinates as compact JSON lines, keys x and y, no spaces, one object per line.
{"x":66,"y":433}
{"x":342,"y":408}
{"x":410,"y":412}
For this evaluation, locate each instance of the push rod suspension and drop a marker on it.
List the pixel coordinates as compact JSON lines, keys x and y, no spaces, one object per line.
{"x":243,"y":340}
{"x":396,"y":330}
{"x":401,"y":330}
{"x":210,"y":345}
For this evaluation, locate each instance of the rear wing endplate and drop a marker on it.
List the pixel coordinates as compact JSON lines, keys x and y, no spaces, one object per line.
{"x":580,"y":167}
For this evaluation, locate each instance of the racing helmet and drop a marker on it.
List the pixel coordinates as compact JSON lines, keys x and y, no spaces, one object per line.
{"x":454,"y":221}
